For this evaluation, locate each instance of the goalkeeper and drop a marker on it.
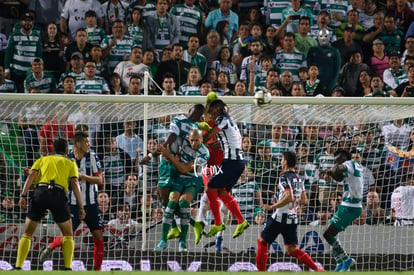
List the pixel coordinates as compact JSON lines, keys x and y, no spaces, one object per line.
{"x":185,"y":185}
{"x":350,"y":208}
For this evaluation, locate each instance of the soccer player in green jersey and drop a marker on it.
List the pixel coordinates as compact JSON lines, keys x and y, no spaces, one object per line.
{"x":350,"y":172}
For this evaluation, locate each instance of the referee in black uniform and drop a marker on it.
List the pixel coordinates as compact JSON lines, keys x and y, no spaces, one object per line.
{"x":53,"y":174}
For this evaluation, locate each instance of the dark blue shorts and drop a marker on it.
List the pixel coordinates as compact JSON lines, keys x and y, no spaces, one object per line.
{"x":273,"y":229}
{"x":43,"y":199}
{"x":228,"y":175}
{"x":93,"y":218}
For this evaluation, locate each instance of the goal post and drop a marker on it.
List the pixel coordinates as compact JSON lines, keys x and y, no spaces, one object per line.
{"x":312,"y":127}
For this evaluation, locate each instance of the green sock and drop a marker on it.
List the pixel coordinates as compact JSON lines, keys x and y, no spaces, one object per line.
{"x":174,"y":224}
{"x":184,"y":218}
{"x":167,"y":219}
{"x":339,"y":253}
{"x":192,"y":221}
{"x":23,"y":250}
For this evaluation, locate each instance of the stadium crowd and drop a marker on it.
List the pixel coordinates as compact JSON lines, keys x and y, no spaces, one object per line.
{"x":235,"y":48}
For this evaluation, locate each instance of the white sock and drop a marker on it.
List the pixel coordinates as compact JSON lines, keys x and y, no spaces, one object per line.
{"x":202,"y":211}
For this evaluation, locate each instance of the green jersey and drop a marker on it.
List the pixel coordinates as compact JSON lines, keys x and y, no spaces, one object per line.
{"x":273,"y":11}
{"x":46,"y":83}
{"x":21,"y":50}
{"x":181,"y":126}
{"x":190,"y":20}
{"x":199,"y":157}
{"x":96,"y":86}
{"x":324,"y":161}
{"x":8,"y":86}
{"x":120,"y":52}
{"x":245,"y":197}
{"x":95,"y":35}
{"x":136,"y":32}
{"x":187,"y":89}
{"x":353,"y":184}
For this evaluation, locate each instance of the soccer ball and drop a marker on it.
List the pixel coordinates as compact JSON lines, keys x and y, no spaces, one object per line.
{"x":262,"y":98}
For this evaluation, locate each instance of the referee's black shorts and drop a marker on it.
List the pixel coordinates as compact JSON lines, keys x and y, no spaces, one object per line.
{"x":55,"y":200}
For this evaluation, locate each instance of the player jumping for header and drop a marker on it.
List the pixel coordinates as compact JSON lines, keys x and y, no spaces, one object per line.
{"x":351,"y":207}
{"x":232,"y":166}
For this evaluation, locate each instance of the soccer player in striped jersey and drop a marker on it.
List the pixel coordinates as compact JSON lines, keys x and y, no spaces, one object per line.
{"x":284,"y":220}
{"x":351,"y":207}
{"x":180,"y":128}
{"x":185,"y":185}
{"x":216,"y":157}
{"x":232,"y":167}
{"x":90,"y":177}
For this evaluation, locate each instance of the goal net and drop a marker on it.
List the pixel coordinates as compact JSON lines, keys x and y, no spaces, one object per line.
{"x":378,"y":132}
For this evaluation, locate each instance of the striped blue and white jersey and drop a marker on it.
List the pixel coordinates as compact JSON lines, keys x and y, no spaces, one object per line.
{"x":289,"y":181}
{"x":90,"y":166}
{"x":353,"y":184}
{"x":229,"y":137}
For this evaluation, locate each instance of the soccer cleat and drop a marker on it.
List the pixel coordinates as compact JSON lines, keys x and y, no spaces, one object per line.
{"x":45,"y":254}
{"x":240,"y":228}
{"x":160,"y":246}
{"x":338,"y":267}
{"x":216,"y":229}
{"x":198,"y":231}
{"x":182,"y":247}
{"x":346,"y":266}
{"x":219,"y":244}
{"x":174,"y":233}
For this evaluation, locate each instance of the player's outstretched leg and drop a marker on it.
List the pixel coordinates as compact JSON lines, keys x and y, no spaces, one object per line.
{"x":215,"y":209}
{"x":232,"y":205}
{"x":48,"y":250}
{"x":303,"y":257}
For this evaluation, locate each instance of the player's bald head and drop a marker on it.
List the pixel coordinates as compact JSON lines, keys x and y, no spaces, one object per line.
{"x":196,"y":133}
